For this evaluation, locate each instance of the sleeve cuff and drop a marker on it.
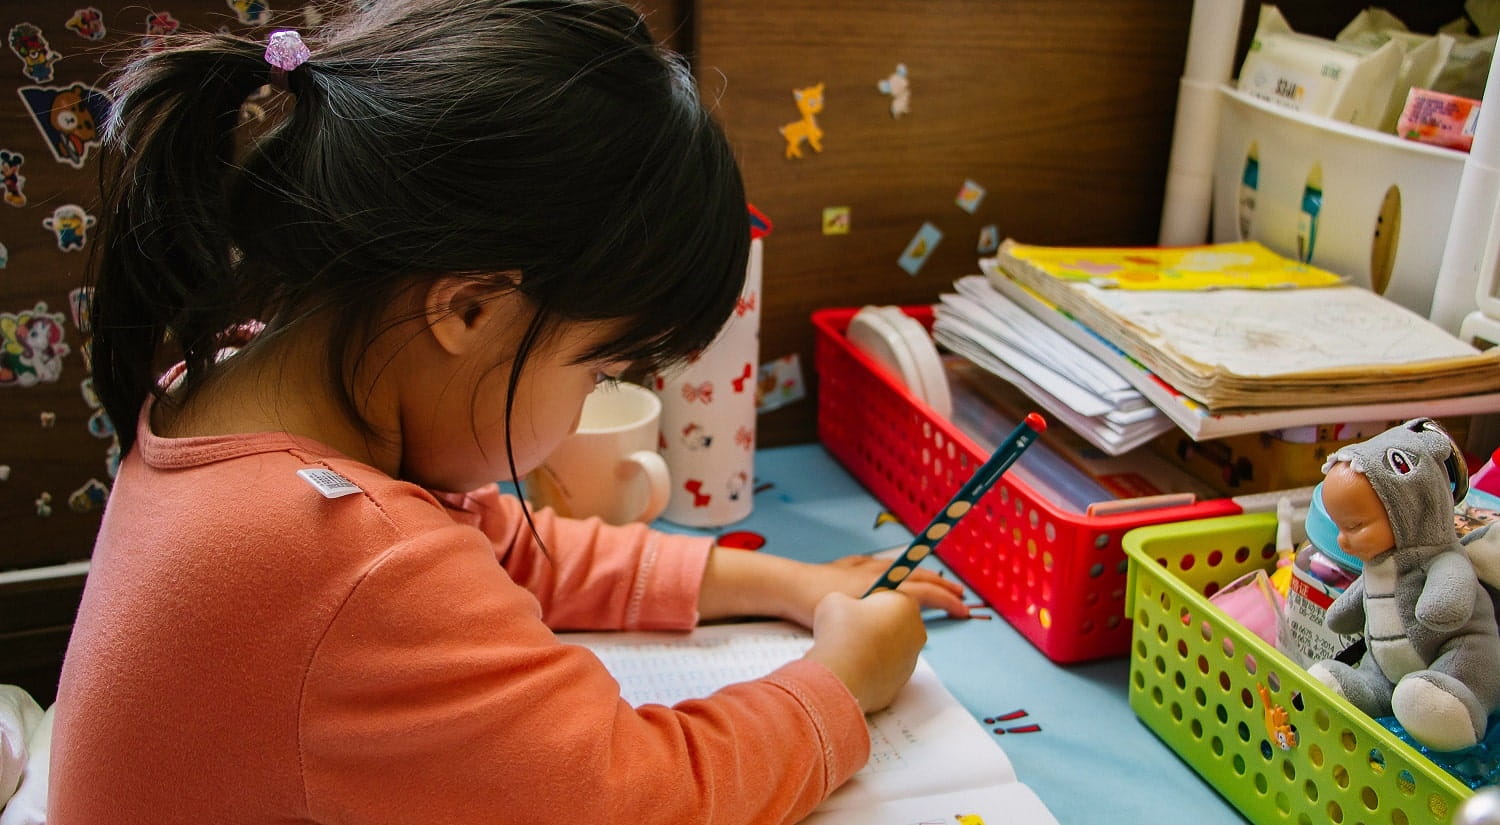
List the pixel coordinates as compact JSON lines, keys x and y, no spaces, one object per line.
{"x":666,"y":590}
{"x":841,"y":727}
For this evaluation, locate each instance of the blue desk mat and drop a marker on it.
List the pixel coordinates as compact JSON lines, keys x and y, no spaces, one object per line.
{"x":1092,"y":761}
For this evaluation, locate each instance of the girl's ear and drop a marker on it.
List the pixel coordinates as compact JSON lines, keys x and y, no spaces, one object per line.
{"x":460,"y":312}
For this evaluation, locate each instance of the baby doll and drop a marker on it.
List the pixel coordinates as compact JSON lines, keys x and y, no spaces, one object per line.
{"x":1433,"y":657}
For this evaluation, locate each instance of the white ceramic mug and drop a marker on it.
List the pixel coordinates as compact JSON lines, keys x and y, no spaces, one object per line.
{"x":609,"y":468}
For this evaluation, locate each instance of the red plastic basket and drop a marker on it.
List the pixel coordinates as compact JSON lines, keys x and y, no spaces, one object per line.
{"x":1057,"y":576}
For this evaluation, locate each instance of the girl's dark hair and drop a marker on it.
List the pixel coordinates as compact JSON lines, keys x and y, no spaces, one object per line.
{"x":551,"y":138}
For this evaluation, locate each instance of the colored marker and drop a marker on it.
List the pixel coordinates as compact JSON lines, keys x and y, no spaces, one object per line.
{"x":962,"y":502}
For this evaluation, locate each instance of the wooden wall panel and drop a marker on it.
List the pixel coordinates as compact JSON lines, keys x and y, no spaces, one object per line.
{"x":1062,"y":109}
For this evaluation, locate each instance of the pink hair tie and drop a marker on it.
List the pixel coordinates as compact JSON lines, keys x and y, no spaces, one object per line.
{"x":285,"y":51}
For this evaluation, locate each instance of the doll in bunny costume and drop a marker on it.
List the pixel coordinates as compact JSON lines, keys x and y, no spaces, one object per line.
{"x":1433,"y":655}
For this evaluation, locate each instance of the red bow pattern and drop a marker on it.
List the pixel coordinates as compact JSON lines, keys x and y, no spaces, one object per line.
{"x":703,"y":392}
{"x":744,"y":437}
{"x":744,"y":305}
{"x":739,"y":383}
{"x":700,"y":499}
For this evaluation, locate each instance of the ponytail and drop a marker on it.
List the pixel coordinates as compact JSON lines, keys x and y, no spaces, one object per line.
{"x":163,"y":277}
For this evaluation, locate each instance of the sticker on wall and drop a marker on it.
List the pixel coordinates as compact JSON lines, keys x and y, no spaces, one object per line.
{"x":43,"y":505}
{"x":4,"y":256}
{"x":969,"y":196}
{"x":779,"y":384}
{"x":31,"y":347}
{"x":47,"y":418}
{"x":71,"y":226}
{"x":920,"y":248}
{"x":31,"y":46}
{"x":989,"y":240}
{"x":10,"y":175}
{"x":835,"y":220}
{"x":809,"y":102}
{"x":899,"y":88}
{"x":159,"y":25}
{"x":91,"y":496}
{"x":4,"y":472}
{"x":80,"y":305}
{"x":251,"y":12}
{"x":67,"y":118}
{"x":88,"y":23}
{"x":99,"y":425}
{"x":112,"y":459}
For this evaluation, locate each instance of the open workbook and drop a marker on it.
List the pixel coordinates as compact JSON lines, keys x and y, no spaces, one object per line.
{"x":930,"y":761}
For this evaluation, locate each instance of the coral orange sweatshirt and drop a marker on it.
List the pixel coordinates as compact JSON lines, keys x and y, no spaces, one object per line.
{"x":250,"y":651}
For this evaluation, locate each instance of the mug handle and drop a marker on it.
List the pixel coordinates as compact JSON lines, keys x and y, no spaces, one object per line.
{"x":658,"y":482}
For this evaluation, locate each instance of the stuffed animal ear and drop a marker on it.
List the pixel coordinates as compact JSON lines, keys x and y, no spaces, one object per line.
{"x":1453,"y":463}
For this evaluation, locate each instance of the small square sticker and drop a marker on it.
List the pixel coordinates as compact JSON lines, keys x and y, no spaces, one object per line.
{"x":989,"y":240}
{"x":969,"y":196}
{"x":920,"y":248}
{"x":835,"y":220}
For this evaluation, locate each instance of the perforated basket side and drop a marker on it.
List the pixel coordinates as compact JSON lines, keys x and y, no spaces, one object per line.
{"x":1058,"y":577}
{"x":1196,"y":678}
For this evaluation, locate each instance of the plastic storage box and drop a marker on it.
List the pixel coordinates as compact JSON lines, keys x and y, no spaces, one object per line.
{"x":1369,"y":205}
{"x":1057,"y":576}
{"x":1207,"y":686}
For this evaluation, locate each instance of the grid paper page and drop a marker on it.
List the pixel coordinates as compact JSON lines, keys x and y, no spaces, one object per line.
{"x":924,"y":743}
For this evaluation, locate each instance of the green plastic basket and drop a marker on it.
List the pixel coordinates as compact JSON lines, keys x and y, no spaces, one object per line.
{"x":1196,"y":678}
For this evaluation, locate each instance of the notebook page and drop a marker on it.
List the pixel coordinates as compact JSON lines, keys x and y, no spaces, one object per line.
{"x":925,"y":743}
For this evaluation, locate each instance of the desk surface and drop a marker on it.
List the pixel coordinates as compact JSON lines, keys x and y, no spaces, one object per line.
{"x":1092,"y":761}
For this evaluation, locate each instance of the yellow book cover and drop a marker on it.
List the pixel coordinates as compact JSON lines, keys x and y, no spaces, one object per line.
{"x":1243,"y":265}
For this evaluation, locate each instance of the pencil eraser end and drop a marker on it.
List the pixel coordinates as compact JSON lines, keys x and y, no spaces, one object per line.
{"x":1036,"y":422}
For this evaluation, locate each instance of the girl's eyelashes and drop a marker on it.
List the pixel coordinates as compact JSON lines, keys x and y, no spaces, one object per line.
{"x":602,"y":377}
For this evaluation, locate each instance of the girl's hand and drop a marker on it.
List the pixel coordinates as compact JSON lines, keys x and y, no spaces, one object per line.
{"x":853,"y":575}
{"x":742,"y":583}
{"x":871,"y":644}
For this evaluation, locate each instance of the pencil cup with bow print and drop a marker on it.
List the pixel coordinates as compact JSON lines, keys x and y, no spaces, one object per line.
{"x":708,"y":418}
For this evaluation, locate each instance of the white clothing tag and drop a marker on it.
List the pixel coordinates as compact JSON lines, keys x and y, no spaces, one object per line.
{"x":329,"y":483}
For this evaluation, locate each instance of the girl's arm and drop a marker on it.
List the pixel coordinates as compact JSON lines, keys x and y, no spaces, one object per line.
{"x":598,"y":576}
{"x":589,"y":575}
{"x":437,"y":695}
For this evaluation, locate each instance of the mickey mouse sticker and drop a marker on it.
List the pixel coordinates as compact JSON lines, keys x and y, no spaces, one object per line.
{"x":11,"y":177}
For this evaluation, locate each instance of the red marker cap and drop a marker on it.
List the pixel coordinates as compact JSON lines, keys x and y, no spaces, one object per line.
{"x":1036,"y":422}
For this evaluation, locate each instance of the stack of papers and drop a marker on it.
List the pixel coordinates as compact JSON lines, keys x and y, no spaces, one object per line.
{"x":1233,"y":348}
{"x":1077,"y":388}
{"x":1198,"y":420}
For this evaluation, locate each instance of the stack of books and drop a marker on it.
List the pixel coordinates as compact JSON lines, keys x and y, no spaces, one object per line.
{"x":1226,"y":339}
{"x":1080,"y":390}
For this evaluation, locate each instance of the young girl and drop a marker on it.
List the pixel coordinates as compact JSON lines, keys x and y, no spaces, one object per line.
{"x":469,"y":213}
